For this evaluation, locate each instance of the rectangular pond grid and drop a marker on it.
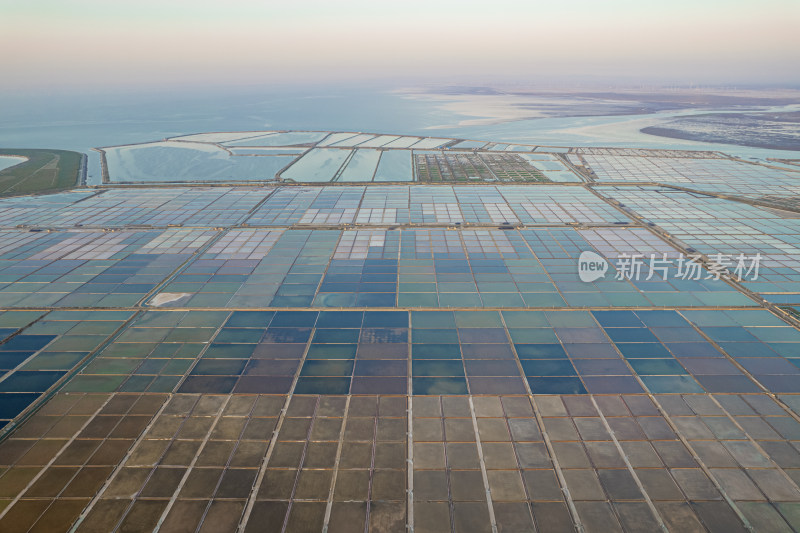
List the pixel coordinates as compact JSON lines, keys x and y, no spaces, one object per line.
{"x":314,"y":358}
{"x":433,"y":268}
{"x":715,"y":226}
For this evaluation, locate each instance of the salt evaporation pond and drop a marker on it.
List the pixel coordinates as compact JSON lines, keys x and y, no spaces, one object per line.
{"x":170,"y":161}
{"x":361,"y":166}
{"x":395,"y":165}
{"x":318,"y":165}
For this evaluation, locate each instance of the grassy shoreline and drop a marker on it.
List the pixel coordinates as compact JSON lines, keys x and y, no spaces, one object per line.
{"x":44,"y":171}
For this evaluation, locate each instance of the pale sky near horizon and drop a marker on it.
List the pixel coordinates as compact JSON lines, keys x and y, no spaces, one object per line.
{"x":152,"y":42}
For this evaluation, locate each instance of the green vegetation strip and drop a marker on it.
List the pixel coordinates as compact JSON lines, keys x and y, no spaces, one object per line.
{"x":44,"y":171}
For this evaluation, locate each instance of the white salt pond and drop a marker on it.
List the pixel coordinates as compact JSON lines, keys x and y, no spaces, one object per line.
{"x":467,"y":145}
{"x":355,"y":140}
{"x":378,"y":141}
{"x":361,"y":166}
{"x":258,"y":150}
{"x":318,"y":165}
{"x":395,"y":165}
{"x":402,"y":142}
{"x":176,"y":161}
{"x":425,"y":144}
{"x":291,"y":138}
{"x":334,"y":138}
{"x":219,"y":137}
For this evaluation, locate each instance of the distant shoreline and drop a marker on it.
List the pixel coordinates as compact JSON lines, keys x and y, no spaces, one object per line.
{"x":672,"y":133}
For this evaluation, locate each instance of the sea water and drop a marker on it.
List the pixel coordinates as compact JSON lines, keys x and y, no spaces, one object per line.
{"x":81,"y":121}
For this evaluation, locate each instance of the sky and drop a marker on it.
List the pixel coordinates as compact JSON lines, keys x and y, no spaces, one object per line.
{"x":122,"y":43}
